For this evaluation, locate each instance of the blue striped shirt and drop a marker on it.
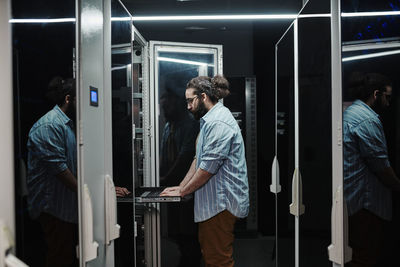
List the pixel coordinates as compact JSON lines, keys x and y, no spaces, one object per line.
{"x":365,"y":154}
{"x":51,"y":150}
{"x":220,"y":151}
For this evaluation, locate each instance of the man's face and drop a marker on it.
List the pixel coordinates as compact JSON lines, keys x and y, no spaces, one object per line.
{"x":169,"y":107}
{"x":382,"y":101}
{"x":195,"y":104}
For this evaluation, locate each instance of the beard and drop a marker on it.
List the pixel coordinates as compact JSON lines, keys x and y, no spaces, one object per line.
{"x":71,"y":111}
{"x":200,"y":111}
{"x":379,"y":107}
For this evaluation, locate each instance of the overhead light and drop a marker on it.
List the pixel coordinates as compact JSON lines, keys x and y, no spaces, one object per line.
{"x":189,"y":62}
{"x":372,"y":55}
{"x":42,"y":20}
{"x":121,"y":18}
{"x":120,"y":67}
{"x":216,"y":17}
{"x":314,"y":15}
{"x":371,"y":14}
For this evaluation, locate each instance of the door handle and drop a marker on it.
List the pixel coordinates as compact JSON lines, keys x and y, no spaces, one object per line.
{"x":275,"y":187}
{"x":7,"y":259}
{"x":297,"y":208}
{"x":89,"y":245}
{"x":112,"y":228}
{"x":339,"y":234}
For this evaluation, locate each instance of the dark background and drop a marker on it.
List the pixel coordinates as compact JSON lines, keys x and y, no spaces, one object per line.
{"x":42,"y":51}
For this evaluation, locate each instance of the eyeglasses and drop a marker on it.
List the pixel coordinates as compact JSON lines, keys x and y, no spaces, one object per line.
{"x":190,"y":100}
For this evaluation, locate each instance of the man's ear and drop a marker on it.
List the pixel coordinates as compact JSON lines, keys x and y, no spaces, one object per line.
{"x":376,"y":93}
{"x":67,"y":99}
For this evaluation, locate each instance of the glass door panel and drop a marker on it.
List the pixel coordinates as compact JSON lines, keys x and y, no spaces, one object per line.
{"x":122,"y":107}
{"x":315,"y":135}
{"x":173,"y":65}
{"x":285,"y":147}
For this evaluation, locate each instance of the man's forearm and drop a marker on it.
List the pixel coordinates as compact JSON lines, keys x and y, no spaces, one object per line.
{"x":68,"y":179}
{"x":389,"y":178}
{"x":199,"y":179}
{"x":189,"y":174}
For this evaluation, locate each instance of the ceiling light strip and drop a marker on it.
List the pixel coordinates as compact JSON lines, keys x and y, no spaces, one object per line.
{"x":380,"y":54}
{"x":371,"y":14}
{"x":215,"y":17}
{"x":182,"y":61}
{"x":62,"y":20}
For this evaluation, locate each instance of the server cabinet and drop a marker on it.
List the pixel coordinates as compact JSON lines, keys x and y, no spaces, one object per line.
{"x":156,"y":73}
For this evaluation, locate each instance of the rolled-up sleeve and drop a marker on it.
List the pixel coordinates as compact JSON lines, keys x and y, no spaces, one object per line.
{"x":372,"y":145}
{"x":47,"y":142}
{"x":218,"y":138}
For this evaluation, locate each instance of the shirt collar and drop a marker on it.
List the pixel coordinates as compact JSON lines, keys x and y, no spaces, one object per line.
{"x":365,"y":106}
{"x":211,"y":112}
{"x":61,"y":114}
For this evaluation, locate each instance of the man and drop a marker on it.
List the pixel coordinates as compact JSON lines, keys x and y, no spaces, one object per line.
{"x":218,"y":174}
{"x":51,"y":179}
{"x":368,"y":177}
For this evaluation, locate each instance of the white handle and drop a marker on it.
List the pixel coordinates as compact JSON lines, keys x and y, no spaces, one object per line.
{"x":89,"y":246}
{"x":112,"y":228}
{"x":12,"y":261}
{"x":275,"y":187}
{"x":7,"y":242}
{"x":297,"y":208}
{"x":339,"y":234}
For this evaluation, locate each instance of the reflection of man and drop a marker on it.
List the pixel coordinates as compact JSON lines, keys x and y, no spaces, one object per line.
{"x":177,"y":151}
{"x":218,"y":175}
{"x":51,"y":176}
{"x":368,"y":176}
{"x":52,"y":170}
{"x":178,"y":139}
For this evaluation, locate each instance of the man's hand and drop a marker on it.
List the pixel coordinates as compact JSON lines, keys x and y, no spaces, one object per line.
{"x":121,"y":191}
{"x":172,"y":191}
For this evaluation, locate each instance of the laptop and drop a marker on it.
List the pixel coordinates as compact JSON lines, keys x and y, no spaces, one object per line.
{"x":151,"y":195}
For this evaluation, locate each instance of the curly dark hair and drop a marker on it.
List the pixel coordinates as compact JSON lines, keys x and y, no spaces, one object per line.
{"x":215,"y":88}
{"x":221,"y":85}
{"x":362,"y":86}
{"x":58,"y":88}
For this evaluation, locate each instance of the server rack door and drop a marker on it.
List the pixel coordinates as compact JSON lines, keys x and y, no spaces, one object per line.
{"x":7,"y":212}
{"x":93,"y":45}
{"x":172,"y":65}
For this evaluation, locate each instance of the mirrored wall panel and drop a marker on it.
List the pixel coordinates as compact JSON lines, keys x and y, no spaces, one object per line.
{"x":44,"y":134}
{"x":371,"y":138}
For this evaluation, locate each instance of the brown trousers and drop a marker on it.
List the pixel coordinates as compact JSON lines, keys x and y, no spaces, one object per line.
{"x":365,"y":238}
{"x":216,"y":240}
{"x":61,"y":239}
